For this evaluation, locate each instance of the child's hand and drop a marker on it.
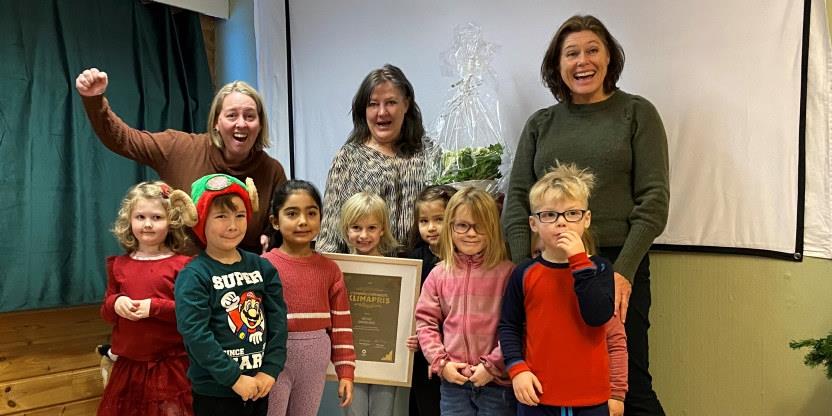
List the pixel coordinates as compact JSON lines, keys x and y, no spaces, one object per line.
{"x":246,"y":387}
{"x":616,"y":407}
{"x":451,"y":372}
{"x":413,"y":343}
{"x":481,"y":376}
{"x":127,"y":308}
{"x":264,"y":384}
{"x":526,"y":388}
{"x":345,"y":392}
{"x":143,"y":310}
{"x":570,"y":242}
{"x":264,"y":243}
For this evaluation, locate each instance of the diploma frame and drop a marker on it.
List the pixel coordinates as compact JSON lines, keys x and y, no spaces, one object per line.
{"x":409,"y":271}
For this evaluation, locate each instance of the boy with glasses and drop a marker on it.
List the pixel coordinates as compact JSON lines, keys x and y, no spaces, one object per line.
{"x":563,"y":352}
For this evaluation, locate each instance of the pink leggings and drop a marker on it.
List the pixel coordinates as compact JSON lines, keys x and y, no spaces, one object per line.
{"x":299,"y":387}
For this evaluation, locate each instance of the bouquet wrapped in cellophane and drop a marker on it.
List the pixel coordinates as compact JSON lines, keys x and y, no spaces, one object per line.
{"x":468,"y":129}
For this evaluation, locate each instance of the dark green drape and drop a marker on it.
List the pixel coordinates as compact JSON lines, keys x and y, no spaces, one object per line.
{"x":60,"y":188}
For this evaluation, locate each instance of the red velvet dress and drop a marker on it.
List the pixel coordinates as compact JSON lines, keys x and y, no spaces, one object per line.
{"x":149,"y":378}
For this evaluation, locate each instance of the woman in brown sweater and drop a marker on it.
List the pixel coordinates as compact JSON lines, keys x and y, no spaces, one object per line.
{"x":238,"y":134}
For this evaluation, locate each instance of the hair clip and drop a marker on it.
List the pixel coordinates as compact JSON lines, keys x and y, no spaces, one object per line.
{"x":165,"y":190}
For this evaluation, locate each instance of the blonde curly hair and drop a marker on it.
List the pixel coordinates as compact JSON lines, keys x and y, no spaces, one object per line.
{"x":177,"y":204}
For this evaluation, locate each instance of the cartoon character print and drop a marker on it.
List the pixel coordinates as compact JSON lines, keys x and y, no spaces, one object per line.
{"x":245,"y":316}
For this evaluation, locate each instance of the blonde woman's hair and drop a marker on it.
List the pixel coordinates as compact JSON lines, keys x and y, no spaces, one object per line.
{"x":242,"y":87}
{"x":565,"y":181}
{"x":487,"y":217}
{"x":177,"y":204}
{"x":365,"y":204}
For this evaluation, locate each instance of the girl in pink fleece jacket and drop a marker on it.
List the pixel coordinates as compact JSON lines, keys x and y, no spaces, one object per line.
{"x":459,"y":308}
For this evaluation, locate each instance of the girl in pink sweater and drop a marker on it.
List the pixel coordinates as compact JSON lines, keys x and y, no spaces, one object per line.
{"x":318,"y":318}
{"x":459,"y":308}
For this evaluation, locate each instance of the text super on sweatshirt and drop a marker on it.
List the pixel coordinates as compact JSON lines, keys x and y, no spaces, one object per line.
{"x":232,"y":318}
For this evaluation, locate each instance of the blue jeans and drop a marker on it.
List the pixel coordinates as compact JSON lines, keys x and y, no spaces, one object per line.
{"x":371,"y":400}
{"x":465,"y":400}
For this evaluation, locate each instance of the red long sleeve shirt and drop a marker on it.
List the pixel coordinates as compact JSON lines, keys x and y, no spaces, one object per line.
{"x":557,"y":323}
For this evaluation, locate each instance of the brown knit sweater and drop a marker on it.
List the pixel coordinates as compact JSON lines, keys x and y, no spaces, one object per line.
{"x":181,"y":158}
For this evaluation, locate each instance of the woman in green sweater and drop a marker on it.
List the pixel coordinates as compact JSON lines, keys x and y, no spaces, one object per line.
{"x":621,"y":139}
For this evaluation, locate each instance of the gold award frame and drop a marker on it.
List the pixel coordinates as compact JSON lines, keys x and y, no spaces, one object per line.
{"x":383,"y":292}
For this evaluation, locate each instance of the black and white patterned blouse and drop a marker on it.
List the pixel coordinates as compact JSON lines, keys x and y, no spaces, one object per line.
{"x":398,"y":180}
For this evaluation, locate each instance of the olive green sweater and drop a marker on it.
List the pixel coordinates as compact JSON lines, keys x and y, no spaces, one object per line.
{"x":623,"y":142}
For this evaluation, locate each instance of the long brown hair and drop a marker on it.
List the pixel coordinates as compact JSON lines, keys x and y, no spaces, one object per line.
{"x":410,"y":138}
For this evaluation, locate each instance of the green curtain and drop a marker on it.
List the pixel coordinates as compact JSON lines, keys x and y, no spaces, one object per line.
{"x":60,"y":188}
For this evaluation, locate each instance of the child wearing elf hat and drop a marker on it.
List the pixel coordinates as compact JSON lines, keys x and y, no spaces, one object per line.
{"x":229,"y":305}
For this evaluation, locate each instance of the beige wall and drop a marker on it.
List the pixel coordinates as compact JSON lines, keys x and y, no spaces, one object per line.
{"x":721,"y":327}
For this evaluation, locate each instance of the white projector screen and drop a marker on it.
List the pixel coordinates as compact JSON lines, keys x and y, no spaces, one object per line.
{"x":725,"y":77}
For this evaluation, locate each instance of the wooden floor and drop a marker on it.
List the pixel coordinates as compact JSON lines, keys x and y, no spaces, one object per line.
{"x":48,"y":363}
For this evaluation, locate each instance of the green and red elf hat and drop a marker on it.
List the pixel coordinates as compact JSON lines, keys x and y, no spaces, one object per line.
{"x":208,"y":187}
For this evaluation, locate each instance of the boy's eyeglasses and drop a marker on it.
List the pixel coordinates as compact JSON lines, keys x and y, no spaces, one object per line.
{"x":463,"y":227}
{"x":571,"y":215}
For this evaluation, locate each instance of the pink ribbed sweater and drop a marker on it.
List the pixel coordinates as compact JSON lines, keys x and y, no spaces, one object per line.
{"x":465,"y":303}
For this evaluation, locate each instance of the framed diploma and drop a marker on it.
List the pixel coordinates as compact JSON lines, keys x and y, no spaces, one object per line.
{"x":383,"y":292}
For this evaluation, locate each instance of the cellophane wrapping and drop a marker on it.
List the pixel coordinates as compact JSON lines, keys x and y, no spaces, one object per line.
{"x":468,"y":129}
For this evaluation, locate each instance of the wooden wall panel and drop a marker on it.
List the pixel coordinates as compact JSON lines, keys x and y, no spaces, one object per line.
{"x":68,"y":354}
{"x":48,"y":365}
{"x":82,"y":408}
{"x":48,"y":325}
{"x":50,"y":390}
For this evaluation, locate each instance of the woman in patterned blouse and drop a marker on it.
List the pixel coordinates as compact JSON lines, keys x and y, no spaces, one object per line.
{"x":386,"y":153}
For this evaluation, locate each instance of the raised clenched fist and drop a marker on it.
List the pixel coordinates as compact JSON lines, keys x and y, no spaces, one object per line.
{"x":91,"y":82}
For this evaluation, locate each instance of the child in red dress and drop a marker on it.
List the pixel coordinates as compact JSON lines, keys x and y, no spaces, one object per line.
{"x":149,"y":377}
